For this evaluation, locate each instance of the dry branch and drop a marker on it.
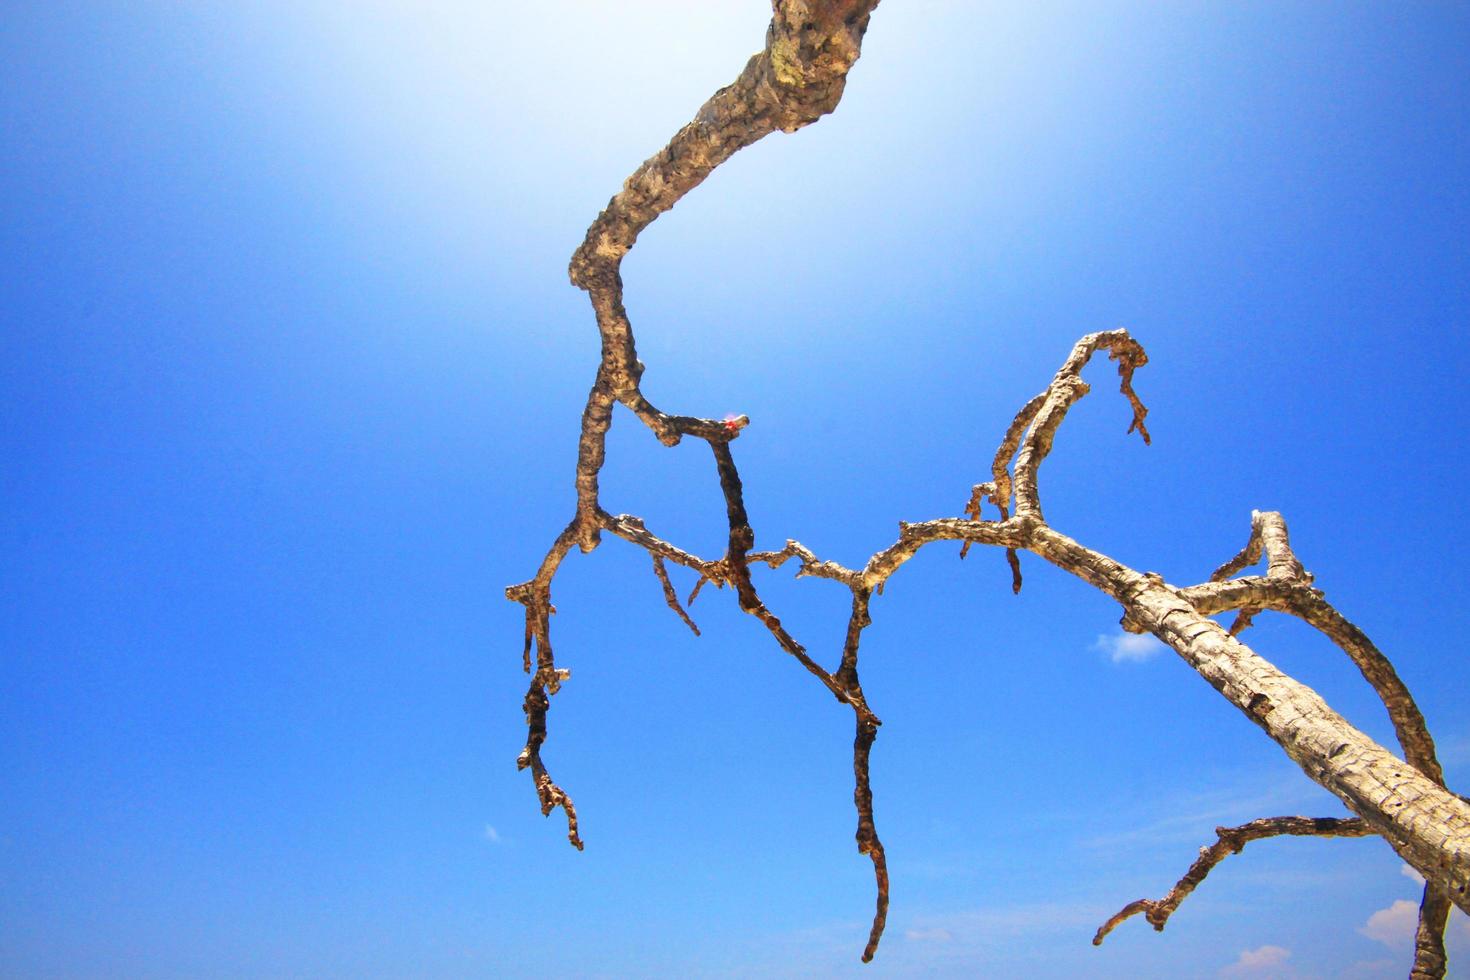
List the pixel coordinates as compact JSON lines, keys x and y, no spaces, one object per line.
{"x":1229,"y":840}
{"x":1287,"y":587}
{"x":670,"y":596}
{"x":796,"y":78}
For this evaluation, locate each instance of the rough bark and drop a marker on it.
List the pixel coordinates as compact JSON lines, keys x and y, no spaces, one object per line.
{"x":1287,"y":587}
{"x":796,"y":78}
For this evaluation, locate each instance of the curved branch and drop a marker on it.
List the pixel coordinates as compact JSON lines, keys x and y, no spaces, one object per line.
{"x":1287,"y":587}
{"x":796,"y":78}
{"x":862,"y":747}
{"x":1065,"y":389}
{"x":1229,"y":840}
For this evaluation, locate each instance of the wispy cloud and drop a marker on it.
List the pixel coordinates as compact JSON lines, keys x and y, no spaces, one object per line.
{"x":1005,"y":922}
{"x":1373,"y":970}
{"x":1411,"y":874}
{"x":1393,"y":926}
{"x":1129,"y":648}
{"x":1454,"y":750}
{"x":821,"y":950}
{"x":492,"y":835}
{"x":1193,"y":815}
{"x":995,"y":940}
{"x":1259,"y":962}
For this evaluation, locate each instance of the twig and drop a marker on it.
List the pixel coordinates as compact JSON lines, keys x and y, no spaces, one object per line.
{"x":796,"y":78}
{"x":1230,"y":840}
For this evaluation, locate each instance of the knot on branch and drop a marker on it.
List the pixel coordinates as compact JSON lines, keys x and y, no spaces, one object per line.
{"x":810,"y":46}
{"x":552,"y":678}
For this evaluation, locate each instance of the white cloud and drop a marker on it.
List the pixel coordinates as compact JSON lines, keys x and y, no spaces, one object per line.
{"x":1260,"y":962}
{"x":1396,"y":925}
{"x":491,"y":834}
{"x":929,"y":936}
{"x":1411,"y":874}
{"x":1393,"y":926}
{"x":1129,"y":647}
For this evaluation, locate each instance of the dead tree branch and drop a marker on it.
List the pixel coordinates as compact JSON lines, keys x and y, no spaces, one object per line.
{"x":1287,"y":587}
{"x":1229,"y":840}
{"x":796,"y":78}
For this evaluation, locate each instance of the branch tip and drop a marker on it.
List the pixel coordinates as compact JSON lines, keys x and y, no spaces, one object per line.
{"x":1230,"y":840}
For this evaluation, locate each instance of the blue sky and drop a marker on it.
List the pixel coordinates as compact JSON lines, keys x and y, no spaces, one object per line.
{"x":290,"y":375}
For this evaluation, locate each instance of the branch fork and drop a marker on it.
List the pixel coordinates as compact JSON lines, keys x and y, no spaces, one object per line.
{"x":797,"y":77}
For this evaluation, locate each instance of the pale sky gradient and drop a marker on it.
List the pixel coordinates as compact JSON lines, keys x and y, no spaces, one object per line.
{"x":290,"y":375}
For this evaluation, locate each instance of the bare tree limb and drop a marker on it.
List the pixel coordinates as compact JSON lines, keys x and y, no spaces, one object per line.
{"x":1230,"y":840}
{"x":1287,"y":587}
{"x":670,"y":596}
{"x":797,"y":77}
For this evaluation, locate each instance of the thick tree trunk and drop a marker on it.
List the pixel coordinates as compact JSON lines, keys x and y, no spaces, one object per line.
{"x":1425,"y":823}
